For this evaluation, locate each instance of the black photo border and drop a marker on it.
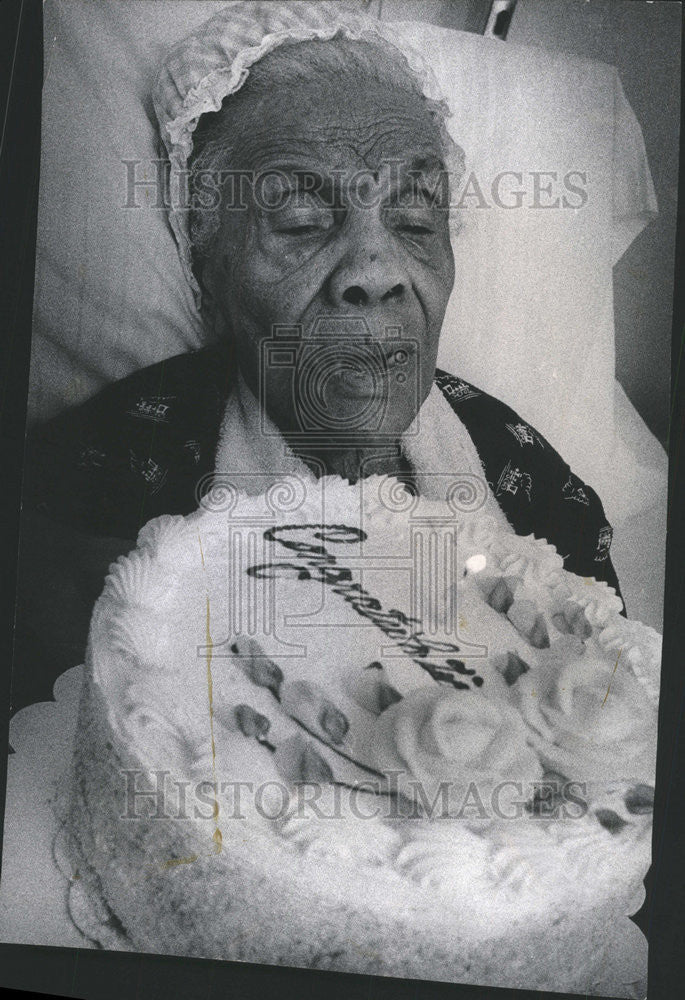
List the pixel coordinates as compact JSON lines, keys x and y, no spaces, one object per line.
{"x":101,"y":975}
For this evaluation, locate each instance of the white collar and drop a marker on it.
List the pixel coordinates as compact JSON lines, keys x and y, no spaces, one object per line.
{"x":436,"y":444}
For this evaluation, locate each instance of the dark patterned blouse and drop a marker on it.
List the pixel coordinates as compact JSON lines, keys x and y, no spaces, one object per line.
{"x":139,"y":448}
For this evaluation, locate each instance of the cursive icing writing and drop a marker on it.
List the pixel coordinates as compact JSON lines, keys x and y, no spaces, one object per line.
{"x":317,"y":564}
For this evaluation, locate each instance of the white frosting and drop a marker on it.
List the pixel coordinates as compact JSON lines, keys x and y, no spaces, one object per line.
{"x":362,"y":839}
{"x":199,"y":676}
{"x":435,"y":737}
{"x":594,"y":711}
{"x":448,"y":859}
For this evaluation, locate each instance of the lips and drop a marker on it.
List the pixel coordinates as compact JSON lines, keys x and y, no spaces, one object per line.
{"x":357,"y":384}
{"x":381,"y":365}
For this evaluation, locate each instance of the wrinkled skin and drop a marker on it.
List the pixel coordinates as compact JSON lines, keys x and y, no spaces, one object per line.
{"x":356,"y":249}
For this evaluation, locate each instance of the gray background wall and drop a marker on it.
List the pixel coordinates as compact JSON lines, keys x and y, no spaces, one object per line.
{"x":643,"y":41}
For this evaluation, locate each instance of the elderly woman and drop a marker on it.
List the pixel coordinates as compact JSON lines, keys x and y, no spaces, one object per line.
{"x":318,"y":236}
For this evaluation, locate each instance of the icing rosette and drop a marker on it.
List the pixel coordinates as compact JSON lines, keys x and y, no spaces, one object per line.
{"x":447,"y":858}
{"x":591,"y":712}
{"x":533,"y":560}
{"x":446,"y":745}
{"x":477,"y":535}
{"x":640,"y":646}
{"x":600,"y":602}
{"x":312,"y":827}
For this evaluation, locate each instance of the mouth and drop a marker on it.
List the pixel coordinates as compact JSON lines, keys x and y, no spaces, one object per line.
{"x":374,"y":373}
{"x":348,"y":382}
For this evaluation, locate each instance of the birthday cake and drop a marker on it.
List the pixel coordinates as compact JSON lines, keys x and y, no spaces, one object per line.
{"x":350,"y":728}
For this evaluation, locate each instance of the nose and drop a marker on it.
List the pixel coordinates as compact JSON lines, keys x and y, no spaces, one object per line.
{"x":369,"y":272}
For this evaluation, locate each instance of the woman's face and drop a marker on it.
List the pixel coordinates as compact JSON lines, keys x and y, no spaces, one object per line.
{"x":342,"y":236}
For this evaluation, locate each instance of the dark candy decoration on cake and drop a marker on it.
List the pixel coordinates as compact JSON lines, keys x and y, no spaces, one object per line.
{"x":610,"y":820}
{"x":640,"y":800}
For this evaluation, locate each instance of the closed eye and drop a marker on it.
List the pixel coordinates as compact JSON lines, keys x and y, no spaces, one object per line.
{"x":412,"y":222}
{"x":305,"y":223}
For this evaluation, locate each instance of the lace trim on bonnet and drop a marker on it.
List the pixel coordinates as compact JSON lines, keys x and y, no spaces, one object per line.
{"x":214,"y":61}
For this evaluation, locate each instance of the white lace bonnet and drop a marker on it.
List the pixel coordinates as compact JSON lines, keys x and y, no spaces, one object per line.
{"x":214,"y":61}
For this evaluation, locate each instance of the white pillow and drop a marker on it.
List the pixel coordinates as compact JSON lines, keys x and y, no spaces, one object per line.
{"x":531,"y":317}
